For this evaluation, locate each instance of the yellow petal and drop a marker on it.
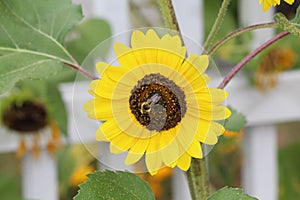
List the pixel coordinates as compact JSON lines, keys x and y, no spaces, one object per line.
{"x":195,"y":63}
{"x":153,"y":161}
{"x":110,"y":129}
{"x":170,"y":151}
{"x":214,"y":112}
{"x":184,"y":162}
{"x":125,"y":56}
{"x":289,"y":1}
{"x":101,"y":67}
{"x":124,"y":141}
{"x":187,"y":132}
{"x":211,"y":95}
{"x":99,"y":108}
{"x":195,"y":150}
{"x":133,"y":158}
{"x":149,"y":48}
{"x":114,"y":149}
{"x":100,"y":136}
{"x":208,"y":132}
{"x":102,"y":88}
{"x":141,"y":40}
{"x":115,"y":73}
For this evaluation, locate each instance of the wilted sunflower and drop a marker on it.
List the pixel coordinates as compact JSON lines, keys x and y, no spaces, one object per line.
{"x":28,"y":118}
{"x":156,"y":103}
{"x":269,"y":3}
{"x":273,"y":63}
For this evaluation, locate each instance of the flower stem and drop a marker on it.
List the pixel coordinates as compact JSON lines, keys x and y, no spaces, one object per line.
{"x":239,"y":66}
{"x":81,"y":70}
{"x":168,"y":14}
{"x":214,"y":30}
{"x":239,"y":32}
{"x":198,"y":179}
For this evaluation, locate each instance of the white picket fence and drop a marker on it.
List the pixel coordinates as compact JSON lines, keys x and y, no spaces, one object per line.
{"x":263,"y":110}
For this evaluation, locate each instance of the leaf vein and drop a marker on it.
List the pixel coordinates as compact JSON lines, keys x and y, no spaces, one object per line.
{"x":42,"y":33}
{"x":10,"y":37}
{"x":25,"y":67}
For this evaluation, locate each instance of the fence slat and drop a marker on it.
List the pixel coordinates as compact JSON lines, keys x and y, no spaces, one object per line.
{"x":260,"y":177}
{"x":39,"y":177}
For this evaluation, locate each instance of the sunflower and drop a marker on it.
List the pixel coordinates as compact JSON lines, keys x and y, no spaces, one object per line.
{"x":156,"y":104}
{"x":28,"y":118}
{"x":268,"y":3}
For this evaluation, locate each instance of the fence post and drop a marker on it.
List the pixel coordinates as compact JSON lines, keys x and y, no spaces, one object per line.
{"x":39,"y":177}
{"x":260,"y":147}
{"x":260,"y":171}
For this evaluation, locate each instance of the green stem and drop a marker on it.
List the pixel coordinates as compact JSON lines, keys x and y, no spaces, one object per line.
{"x":239,"y":32}
{"x":168,"y":14}
{"x":214,"y":30}
{"x":198,"y":179}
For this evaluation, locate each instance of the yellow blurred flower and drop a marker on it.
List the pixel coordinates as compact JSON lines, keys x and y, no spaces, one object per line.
{"x":269,"y":3}
{"x":157,"y":102}
{"x":230,"y":134}
{"x":79,"y":175}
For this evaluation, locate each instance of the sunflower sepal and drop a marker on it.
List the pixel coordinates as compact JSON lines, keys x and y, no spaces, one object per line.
{"x":291,"y":26}
{"x":236,"y":122}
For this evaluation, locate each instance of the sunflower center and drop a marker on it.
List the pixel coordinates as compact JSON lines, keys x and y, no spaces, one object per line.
{"x":157,"y":102}
{"x":26,"y":118}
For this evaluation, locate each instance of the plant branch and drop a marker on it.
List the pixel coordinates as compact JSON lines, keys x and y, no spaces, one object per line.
{"x":239,"y":66}
{"x":239,"y":32}
{"x":81,"y":70}
{"x":214,"y":30}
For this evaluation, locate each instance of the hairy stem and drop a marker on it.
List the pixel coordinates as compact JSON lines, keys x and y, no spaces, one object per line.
{"x":214,"y":30}
{"x":239,"y":66}
{"x":198,"y":179}
{"x":239,"y":32}
{"x":81,"y":70}
{"x":168,"y":14}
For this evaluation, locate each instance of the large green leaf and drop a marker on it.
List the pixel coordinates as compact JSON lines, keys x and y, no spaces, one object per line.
{"x":31,"y":36}
{"x":114,"y":185}
{"x":84,"y":37}
{"x":230,"y":194}
{"x":56,"y":106}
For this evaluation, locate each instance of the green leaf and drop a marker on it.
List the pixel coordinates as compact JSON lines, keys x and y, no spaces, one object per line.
{"x":56,"y":107}
{"x":290,"y":26}
{"x":236,"y":121}
{"x":31,"y":36}
{"x":230,"y":194}
{"x":84,"y":37}
{"x":114,"y":185}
